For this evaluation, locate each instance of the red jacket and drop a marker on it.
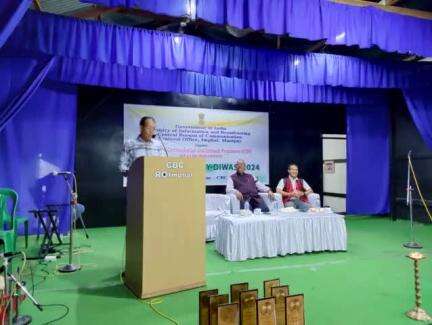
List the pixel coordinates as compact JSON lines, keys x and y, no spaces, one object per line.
{"x":289,"y":188}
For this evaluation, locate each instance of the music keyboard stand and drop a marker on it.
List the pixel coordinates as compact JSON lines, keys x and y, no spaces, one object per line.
{"x":46,"y":217}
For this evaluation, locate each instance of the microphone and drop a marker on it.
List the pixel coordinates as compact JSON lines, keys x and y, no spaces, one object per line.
{"x":61,"y":173}
{"x":163,"y":145}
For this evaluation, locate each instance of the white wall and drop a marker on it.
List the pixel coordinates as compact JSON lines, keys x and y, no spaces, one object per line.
{"x":334,"y":178}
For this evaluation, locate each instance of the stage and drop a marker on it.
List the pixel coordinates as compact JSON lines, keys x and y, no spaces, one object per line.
{"x":371,"y":283}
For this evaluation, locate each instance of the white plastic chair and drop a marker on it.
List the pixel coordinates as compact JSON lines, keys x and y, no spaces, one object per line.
{"x":216,"y":205}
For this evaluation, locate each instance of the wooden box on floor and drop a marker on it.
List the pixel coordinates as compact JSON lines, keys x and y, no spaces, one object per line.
{"x":165,"y":226}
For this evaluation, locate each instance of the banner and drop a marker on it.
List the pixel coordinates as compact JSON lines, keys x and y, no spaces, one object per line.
{"x":220,"y":136}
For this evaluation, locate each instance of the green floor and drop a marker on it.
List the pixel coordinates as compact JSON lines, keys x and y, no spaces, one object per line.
{"x":372,"y":283}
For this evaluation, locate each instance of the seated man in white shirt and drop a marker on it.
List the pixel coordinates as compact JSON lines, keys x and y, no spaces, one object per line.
{"x":294,"y":190}
{"x":246,"y":188}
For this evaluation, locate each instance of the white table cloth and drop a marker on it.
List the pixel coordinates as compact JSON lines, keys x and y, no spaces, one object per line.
{"x":240,"y":238}
{"x":211,"y":224}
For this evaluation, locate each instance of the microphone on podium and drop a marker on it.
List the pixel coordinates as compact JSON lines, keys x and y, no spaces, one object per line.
{"x":163,"y":144}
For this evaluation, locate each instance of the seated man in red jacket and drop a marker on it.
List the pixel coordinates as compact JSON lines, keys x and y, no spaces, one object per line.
{"x":246,"y":188}
{"x":294,"y":190}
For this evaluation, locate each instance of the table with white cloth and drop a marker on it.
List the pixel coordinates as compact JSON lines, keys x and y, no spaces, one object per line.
{"x":239,"y":238}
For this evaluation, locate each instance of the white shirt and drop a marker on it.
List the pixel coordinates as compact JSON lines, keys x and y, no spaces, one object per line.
{"x":135,"y":148}
{"x":231,"y":190}
{"x":281,"y":184}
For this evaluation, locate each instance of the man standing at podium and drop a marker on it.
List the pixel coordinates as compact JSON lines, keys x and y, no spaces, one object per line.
{"x":145,"y":145}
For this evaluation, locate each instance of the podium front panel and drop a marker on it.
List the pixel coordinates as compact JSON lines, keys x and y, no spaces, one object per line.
{"x":166,"y":244}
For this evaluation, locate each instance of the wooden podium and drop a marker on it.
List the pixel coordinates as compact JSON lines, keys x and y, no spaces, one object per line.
{"x":165,"y":226}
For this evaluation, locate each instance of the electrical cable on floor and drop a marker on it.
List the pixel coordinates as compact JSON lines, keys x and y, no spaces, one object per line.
{"x":24,"y":263}
{"x":77,"y":251}
{"x":23,"y":266}
{"x":40,"y":282}
{"x":45,"y":276}
{"x":33,"y":275}
{"x":418,"y":189}
{"x":86,"y":248}
{"x":58,"y":318}
{"x":152,"y":302}
{"x":158,"y":301}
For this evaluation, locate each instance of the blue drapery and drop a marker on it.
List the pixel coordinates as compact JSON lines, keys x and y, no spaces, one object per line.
{"x":40,"y":139}
{"x":122,"y":57}
{"x":166,"y":7}
{"x":11,"y":13}
{"x":82,"y":69}
{"x":129,"y":77}
{"x":94,"y":41}
{"x":419,"y":102}
{"x":12,"y":82}
{"x":31,"y":74}
{"x":338,"y":23}
{"x":48,"y":119}
{"x":368,"y":159}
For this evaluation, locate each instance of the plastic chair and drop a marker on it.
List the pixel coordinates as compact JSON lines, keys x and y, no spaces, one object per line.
{"x":216,"y":205}
{"x":10,"y":220}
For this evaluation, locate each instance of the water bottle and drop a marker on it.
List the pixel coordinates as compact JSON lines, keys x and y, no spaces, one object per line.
{"x":275,"y":207}
{"x":246,"y":206}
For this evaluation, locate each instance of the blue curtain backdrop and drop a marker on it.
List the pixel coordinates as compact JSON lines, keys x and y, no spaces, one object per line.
{"x":40,"y":139}
{"x":119,"y":76}
{"x":363,"y":25}
{"x":11,"y":13}
{"x":30,"y":74}
{"x":368,"y":159}
{"x":94,"y":41}
{"x":175,"y":8}
{"x":12,"y":81}
{"x":122,"y":57}
{"x":419,"y":102}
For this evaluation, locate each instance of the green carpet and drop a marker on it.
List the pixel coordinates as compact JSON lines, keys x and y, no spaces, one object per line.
{"x":371,"y":283}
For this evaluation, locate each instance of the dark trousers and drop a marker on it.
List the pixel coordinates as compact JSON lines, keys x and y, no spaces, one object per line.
{"x":254,"y":203}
